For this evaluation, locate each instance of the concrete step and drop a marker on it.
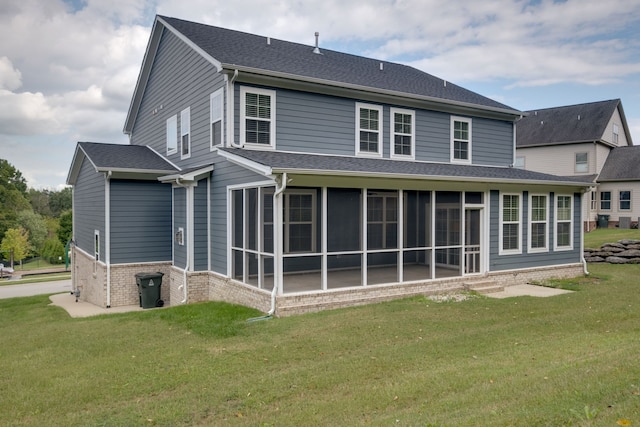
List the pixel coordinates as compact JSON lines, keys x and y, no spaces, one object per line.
{"x":484,"y":287}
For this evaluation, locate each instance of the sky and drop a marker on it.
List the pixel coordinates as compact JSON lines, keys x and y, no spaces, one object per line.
{"x":68,"y":68}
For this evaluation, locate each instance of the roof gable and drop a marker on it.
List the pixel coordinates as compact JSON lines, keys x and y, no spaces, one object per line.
{"x":568,"y":124}
{"x":622,"y":164}
{"x":233,"y":50}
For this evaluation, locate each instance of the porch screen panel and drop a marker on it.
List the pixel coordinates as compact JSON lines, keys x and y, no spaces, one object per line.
{"x":344,"y":219}
{"x":417,"y":219}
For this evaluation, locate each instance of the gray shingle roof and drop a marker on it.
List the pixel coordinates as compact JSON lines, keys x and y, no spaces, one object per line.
{"x":300,"y":162}
{"x":562,"y":125}
{"x":248,"y":50}
{"x":623,"y":164}
{"x":125,"y":157}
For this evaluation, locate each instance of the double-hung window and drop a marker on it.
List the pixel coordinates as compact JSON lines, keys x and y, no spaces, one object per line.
{"x":625,"y":201}
{"x":538,"y":222}
{"x":185,"y":133}
{"x":582,"y":162}
{"x":402,"y":133}
{"x":172,"y":135}
{"x":216,"y":114}
{"x":460,"y":140}
{"x":368,"y":130}
{"x":299,"y":221}
{"x":564,"y":223}
{"x":510,"y":221}
{"x":258,"y":117}
{"x":605,"y":200}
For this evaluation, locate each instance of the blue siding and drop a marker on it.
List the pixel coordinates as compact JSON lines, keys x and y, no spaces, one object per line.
{"x":200,"y":240}
{"x":224,"y":174}
{"x":526,"y":260}
{"x":89,"y":209}
{"x":180,"y":78}
{"x":492,"y":142}
{"x":180,"y":220}
{"x":140,"y":221}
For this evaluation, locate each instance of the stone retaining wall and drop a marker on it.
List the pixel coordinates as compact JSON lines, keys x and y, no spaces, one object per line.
{"x":622,"y":252}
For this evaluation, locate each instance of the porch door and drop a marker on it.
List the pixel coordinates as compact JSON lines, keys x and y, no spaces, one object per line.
{"x":473,"y":241}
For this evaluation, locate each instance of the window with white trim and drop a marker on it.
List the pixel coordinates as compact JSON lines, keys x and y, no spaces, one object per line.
{"x":582,"y":162}
{"x":299,"y":221}
{"x":563,"y":237}
{"x":172,"y":135}
{"x":185,"y":133}
{"x":605,"y":200}
{"x":616,"y":134}
{"x":257,"y":117}
{"x":403,"y":133}
{"x":382,"y":220}
{"x":624,"y":202}
{"x":594,"y":200}
{"x":538,"y":222}
{"x":460,"y":140}
{"x":368,"y":130}
{"x":216,"y":108}
{"x":510,"y":223}
{"x":96,"y":250}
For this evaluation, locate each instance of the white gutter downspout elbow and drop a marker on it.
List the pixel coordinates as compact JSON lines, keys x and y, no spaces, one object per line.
{"x":186,"y":231}
{"x":107,"y":232}
{"x":280,"y":187}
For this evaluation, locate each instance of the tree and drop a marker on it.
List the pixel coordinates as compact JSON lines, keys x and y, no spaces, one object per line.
{"x":53,"y":251}
{"x":10,"y":177}
{"x":16,"y":243}
{"x":13,"y":196}
{"x":66,"y":227}
{"x":60,"y":201}
{"x":36,"y":226}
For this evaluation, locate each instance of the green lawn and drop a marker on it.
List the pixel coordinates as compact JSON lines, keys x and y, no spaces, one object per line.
{"x":569,"y":360}
{"x":598,"y":237}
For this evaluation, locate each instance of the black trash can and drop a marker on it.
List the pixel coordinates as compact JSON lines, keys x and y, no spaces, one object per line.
{"x":149,"y":289}
{"x":603,"y":221}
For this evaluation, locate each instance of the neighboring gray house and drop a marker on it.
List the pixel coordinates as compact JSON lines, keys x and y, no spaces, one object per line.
{"x":293,"y":178}
{"x":586,"y":141}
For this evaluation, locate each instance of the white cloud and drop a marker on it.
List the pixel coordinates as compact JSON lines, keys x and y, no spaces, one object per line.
{"x":10,"y":78}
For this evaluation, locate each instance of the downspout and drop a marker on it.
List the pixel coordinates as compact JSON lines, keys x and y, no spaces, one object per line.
{"x":231,"y":96}
{"x":186,"y":232}
{"x":584,"y":261}
{"x":107,"y":232}
{"x":280,"y":187}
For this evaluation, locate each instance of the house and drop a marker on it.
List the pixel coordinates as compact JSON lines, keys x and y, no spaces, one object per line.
{"x":587,"y":141}
{"x":292,"y":178}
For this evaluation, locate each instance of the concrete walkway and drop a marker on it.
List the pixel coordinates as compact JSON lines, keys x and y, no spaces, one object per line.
{"x":527,"y":290}
{"x":86,"y":309}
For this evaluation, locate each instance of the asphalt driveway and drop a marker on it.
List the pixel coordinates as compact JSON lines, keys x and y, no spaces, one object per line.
{"x":40,"y":288}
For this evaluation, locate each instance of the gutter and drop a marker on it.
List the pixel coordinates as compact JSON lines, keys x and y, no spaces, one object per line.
{"x":107,"y":232}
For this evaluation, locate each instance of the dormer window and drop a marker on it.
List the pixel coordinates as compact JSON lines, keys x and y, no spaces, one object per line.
{"x":257,"y":122}
{"x":460,"y":140}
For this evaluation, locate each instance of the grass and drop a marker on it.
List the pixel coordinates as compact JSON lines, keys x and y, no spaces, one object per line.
{"x":568,"y":360}
{"x":36,"y":278}
{"x":600,"y":236}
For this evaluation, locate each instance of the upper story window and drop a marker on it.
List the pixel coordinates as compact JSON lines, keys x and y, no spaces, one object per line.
{"x":582,"y":162}
{"x":257,"y":117}
{"x":185,"y":133}
{"x":460,"y":140}
{"x":519,"y":163}
{"x":510,"y":223}
{"x":403,"y":133}
{"x":216,"y":108}
{"x":538,"y":223}
{"x":564,"y":223}
{"x":605,"y":200}
{"x":616,"y":134}
{"x":368,"y":130}
{"x":172,"y":135}
{"x":625,"y":201}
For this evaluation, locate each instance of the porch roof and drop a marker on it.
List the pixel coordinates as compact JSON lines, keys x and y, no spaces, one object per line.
{"x":276,"y":162}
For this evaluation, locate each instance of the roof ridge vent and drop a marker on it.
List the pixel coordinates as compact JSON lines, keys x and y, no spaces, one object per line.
{"x":268,"y":41}
{"x":316,"y":50}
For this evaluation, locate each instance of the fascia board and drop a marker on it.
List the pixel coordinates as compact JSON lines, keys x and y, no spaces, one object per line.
{"x":247,"y":164}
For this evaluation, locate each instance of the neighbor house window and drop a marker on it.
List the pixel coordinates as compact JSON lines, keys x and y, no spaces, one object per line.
{"x":368,"y":130}
{"x":625,"y":201}
{"x":185,"y":133}
{"x":299,"y":221}
{"x":402,"y":133}
{"x":616,"y":134}
{"x":582,"y":162}
{"x":564,"y":222}
{"x":257,"y":122}
{"x":216,"y":108}
{"x":96,"y":250}
{"x":460,"y":140}
{"x":510,"y":220}
{"x":594,"y":200}
{"x":605,"y":200}
{"x":172,"y":135}
{"x":538,"y":225}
